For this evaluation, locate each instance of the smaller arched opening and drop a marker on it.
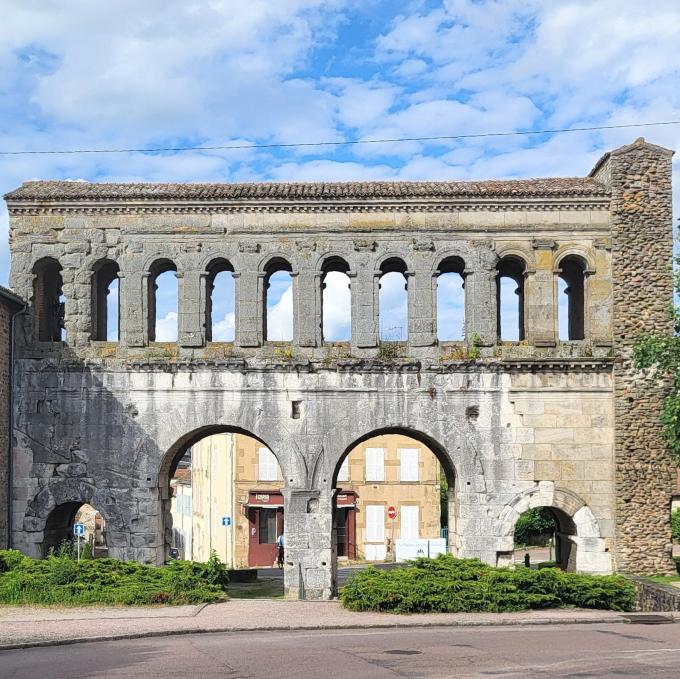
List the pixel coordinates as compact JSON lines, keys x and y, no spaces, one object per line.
{"x":394,"y":498}
{"x":571,"y":278}
{"x":163,"y":301}
{"x":59,"y":534}
{"x":393,"y":300}
{"x":220,"y":302}
{"x":105,"y":301}
{"x":451,"y":300}
{"x":510,"y":298}
{"x":336,"y":301}
{"x":48,"y":301}
{"x":578,"y":544}
{"x":278,"y":301}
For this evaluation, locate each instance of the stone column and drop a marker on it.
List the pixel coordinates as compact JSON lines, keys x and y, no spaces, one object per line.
{"x":540,"y":297}
{"x":191,"y":322}
{"x":306,"y":308}
{"x":308,"y":529}
{"x":249,"y":291}
{"x":480,"y":305}
{"x":598,"y":296}
{"x":134,"y":297}
{"x":639,"y":176}
{"x":422,"y":306}
{"x":364,"y":307}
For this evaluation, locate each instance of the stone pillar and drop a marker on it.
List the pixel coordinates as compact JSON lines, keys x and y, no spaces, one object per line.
{"x":308,"y":527}
{"x":480,"y":304}
{"x":249,"y":291}
{"x":364,"y":308}
{"x":191,"y":323}
{"x":598,"y":296}
{"x":306,"y":308}
{"x":639,"y":176}
{"x":134,"y":297}
{"x":422,"y":305}
{"x":540,"y":299}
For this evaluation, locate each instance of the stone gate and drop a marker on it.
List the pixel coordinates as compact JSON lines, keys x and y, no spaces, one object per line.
{"x":566,"y":424}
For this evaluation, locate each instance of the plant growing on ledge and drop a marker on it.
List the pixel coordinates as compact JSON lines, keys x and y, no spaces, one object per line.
{"x":389,"y":351}
{"x":660,"y":355}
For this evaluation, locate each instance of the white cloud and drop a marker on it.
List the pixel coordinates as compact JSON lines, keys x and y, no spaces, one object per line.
{"x":337,"y":313}
{"x":223,"y":331}
{"x":280,"y":317}
{"x":166,"y":328}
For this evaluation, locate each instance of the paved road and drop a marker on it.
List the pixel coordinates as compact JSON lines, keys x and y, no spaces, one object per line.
{"x":575,"y":651}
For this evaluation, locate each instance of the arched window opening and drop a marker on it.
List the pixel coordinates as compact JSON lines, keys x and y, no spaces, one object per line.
{"x":105,"y":302}
{"x":219,"y":302}
{"x":407,"y":498}
{"x":278,"y":302}
{"x":393,"y":301}
{"x":225,"y":496}
{"x":59,"y":536}
{"x":451,"y":300}
{"x":510,"y":299}
{"x":543,"y":535}
{"x":163,"y":301}
{"x":571,"y":298}
{"x":48,"y":301}
{"x":336,"y":301}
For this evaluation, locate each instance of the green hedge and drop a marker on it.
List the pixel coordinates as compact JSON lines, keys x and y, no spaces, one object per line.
{"x":62,"y":580}
{"x":450,"y":585}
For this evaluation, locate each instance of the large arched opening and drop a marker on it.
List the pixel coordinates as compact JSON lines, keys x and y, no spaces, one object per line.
{"x":394,"y":499}
{"x":222,"y":490}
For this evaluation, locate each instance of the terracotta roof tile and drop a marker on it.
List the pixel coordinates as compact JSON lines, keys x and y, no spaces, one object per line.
{"x":75,"y":190}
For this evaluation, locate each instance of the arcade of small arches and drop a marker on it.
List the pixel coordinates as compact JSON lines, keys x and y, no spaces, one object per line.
{"x":570,"y":299}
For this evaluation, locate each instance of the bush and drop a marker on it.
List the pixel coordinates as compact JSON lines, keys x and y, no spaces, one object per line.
{"x":675,"y":524}
{"x":450,"y":585}
{"x":62,"y":580}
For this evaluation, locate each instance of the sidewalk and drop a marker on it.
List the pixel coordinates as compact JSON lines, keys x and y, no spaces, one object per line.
{"x":29,"y":626}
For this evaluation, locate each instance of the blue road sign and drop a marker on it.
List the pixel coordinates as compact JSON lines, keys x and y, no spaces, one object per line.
{"x":79,"y":529}
{"x":226,"y":520}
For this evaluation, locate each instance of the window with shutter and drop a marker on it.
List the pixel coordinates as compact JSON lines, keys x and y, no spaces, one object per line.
{"x":268,"y":467}
{"x":410,"y":516}
{"x":375,"y":464}
{"x":343,"y":472}
{"x":375,"y":523}
{"x":409,"y":460}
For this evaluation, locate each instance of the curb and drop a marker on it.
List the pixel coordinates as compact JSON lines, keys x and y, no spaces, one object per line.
{"x":621,"y":619}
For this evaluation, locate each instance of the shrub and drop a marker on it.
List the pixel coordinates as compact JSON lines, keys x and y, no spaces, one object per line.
{"x":62,"y":580}
{"x":675,"y":524}
{"x":450,"y":585}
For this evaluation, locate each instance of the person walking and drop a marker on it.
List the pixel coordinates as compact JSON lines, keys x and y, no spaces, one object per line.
{"x":280,"y":544}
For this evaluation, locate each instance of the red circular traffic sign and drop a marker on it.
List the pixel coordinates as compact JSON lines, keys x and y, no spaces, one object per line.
{"x":392,"y":512}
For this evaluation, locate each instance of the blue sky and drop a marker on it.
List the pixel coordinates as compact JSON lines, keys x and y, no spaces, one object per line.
{"x":78,"y":74}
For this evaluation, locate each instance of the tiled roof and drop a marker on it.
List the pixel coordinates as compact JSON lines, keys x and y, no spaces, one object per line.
{"x":87,"y":191}
{"x":14,"y":300}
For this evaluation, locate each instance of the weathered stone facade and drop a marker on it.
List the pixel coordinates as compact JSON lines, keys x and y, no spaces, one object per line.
{"x":540,"y":422}
{"x":10,"y":305}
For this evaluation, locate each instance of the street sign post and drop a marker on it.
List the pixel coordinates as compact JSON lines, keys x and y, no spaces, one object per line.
{"x":78,"y":531}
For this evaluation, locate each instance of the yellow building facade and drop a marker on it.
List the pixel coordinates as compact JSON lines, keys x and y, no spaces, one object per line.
{"x":388,"y":489}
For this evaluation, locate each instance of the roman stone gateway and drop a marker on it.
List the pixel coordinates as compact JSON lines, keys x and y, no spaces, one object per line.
{"x":566,"y":424}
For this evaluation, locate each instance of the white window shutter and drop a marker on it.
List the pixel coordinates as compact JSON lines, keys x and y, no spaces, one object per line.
{"x":375,"y":523}
{"x":343,"y":472}
{"x":375,"y":464}
{"x":410,"y":519}
{"x":409,"y":463}
{"x":268,"y":468}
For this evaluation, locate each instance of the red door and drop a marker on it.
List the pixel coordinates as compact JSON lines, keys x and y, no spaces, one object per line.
{"x":265,"y":525}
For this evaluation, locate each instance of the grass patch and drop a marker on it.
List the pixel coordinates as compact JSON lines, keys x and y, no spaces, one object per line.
{"x":450,"y":585}
{"x":61,"y":580}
